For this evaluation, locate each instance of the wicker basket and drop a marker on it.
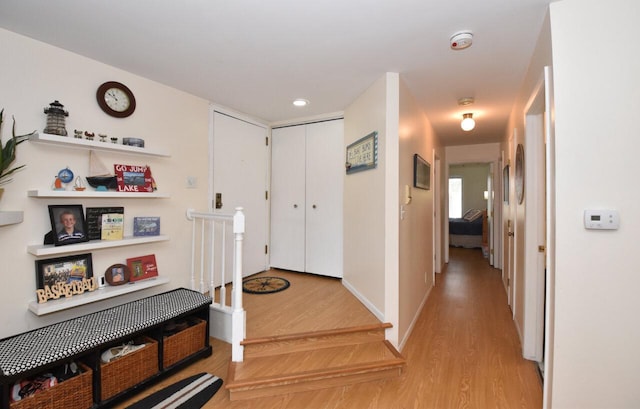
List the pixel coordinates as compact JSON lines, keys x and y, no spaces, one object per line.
{"x":129,"y":370}
{"x":184,"y":343}
{"x":74,"y":393}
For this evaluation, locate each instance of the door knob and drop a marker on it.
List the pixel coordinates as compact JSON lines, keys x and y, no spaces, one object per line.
{"x":295,"y":206}
{"x":314,"y":206}
{"x":510,"y":234}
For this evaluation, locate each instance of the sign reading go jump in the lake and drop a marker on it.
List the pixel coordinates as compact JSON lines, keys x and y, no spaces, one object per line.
{"x":362,"y":154}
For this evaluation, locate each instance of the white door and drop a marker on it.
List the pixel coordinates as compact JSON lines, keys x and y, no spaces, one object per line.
{"x":324,"y":181}
{"x":240,"y":169}
{"x":288,"y":198}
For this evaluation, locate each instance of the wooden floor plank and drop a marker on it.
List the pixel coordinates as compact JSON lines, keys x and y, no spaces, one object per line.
{"x":464,"y":351}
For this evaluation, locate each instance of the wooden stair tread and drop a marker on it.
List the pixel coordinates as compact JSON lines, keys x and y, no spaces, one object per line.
{"x":323,"y":359}
{"x":311,"y":360}
{"x":313,"y":340}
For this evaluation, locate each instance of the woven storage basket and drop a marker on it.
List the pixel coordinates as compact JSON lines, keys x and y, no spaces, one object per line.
{"x":184,"y":343}
{"x":74,"y":393}
{"x":129,"y":370}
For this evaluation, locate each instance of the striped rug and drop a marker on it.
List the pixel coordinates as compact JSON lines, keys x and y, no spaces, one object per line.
{"x":190,"y":393}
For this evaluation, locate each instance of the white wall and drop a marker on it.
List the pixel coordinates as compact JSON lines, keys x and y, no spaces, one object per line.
{"x":597,"y":100}
{"x":364,"y":201}
{"x":32,"y":75}
{"x":416,"y":229}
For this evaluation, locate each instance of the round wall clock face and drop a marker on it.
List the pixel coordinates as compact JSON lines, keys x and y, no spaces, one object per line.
{"x":520,"y":173}
{"x":116,"y":99}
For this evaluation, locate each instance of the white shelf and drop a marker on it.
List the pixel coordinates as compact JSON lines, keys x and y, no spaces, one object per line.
{"x":97,"y":295}
{"x":49,"y":193}
{"x":51,"y":250}
{"x":7,"y":218}
{"x":72,"y":142}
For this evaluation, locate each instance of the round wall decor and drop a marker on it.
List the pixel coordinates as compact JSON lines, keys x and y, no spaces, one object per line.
{"x":116,"y":99}
{"x":520,"y":173}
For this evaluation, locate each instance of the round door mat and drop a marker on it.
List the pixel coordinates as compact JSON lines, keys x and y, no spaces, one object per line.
{"x":264,"y":285}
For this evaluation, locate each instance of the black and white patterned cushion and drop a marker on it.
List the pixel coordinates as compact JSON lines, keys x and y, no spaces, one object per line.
{"x":65,"y":339}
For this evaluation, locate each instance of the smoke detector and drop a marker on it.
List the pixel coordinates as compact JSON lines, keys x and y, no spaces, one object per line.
{"x":461,"y":40}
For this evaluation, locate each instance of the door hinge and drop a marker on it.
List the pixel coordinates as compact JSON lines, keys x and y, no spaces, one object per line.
{"x":266,"y":140}
{"x":491,"y":251}
{"x":266,"y":195}
{"x":266,"y":249}
{"x":508,"y":282}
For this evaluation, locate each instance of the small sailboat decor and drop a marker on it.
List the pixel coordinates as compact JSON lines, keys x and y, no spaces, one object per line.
{"x":79,"y":186}
{"x":99,"y":176}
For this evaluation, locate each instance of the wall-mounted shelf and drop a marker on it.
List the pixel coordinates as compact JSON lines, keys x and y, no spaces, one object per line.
{"x":7,"y":218}
{"x":70,"y":141}
{"x":48,"y":193}
{"x":51,"y":250}
{"x":97,"y":295}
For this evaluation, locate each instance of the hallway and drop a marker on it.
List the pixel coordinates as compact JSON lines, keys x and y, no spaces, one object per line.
{"x":463,"y":353}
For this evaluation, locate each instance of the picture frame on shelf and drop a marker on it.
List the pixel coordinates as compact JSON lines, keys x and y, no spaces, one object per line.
{"x":133,"y":178}
{"x":421,"y":173}
{"x":142,"y":268}
{"x":117,"y":274}
{"x":146,"y":226}
{"x":65,"y":270}
{"x":68,"y":224}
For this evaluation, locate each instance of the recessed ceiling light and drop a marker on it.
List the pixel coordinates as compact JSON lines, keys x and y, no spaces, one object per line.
{"x":300,"y":102}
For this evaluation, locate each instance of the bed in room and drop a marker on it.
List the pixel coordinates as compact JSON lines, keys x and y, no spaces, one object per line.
{"x":468,"y":231}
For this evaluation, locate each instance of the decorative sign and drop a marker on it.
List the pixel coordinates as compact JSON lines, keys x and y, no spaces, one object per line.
{"x":61,"y":289}
{"x":146,"y":226}
{"x":94,"y":219}
{"x":131,"y":178}
{"x":362,"y":154}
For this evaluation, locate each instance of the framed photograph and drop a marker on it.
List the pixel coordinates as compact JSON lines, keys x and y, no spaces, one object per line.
{"x":132,"y":178}
{"x":143,"y":267}
{"x":362,"y":154}
{"x":68,"y":224}
{"x":63,"y":270}
{"x":146,"y":226}
{"x":117,"y":274}
{"x":94,"y":219}
{"x":505,"y":184}
{"x":421,"y":173}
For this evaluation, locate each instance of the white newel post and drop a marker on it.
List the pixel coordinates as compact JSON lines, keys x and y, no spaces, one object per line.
{"x":238,"y":317}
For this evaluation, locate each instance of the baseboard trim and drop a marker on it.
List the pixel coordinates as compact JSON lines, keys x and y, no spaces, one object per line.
{"x":379,"y":315}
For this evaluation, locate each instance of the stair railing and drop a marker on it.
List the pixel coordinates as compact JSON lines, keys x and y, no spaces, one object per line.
{"x":210,"y":270}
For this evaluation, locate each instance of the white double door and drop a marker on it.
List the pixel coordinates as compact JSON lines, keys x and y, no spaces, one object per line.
{"x":307,"y":171}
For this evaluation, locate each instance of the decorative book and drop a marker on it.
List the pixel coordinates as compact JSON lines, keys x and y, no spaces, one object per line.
{"x":146,"y":226}
{"x":112,"y":226}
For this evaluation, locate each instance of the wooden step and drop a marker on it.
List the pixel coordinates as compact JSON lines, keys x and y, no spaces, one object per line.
{"x":300,"y":362}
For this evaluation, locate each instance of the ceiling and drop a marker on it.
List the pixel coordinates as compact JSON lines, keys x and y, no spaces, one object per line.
{"x":257,"y":56}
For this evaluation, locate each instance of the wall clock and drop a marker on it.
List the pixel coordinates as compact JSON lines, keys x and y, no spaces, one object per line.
{"x":520,"y":173}
{"x":116,"y":99}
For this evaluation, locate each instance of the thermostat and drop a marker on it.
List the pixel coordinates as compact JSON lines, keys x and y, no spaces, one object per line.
{"x":601,"y":219}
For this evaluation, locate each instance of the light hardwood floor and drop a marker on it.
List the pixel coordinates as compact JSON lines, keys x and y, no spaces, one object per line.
{"x":464,"y":351}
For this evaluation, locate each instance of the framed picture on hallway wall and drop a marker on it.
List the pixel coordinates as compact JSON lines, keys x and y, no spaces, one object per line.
{"x":421,"y":173}
{"x":505,"y":184}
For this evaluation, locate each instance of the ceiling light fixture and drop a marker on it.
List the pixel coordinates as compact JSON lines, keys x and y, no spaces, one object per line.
{"x":300,"y":102}
{"x":467,"y":123}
